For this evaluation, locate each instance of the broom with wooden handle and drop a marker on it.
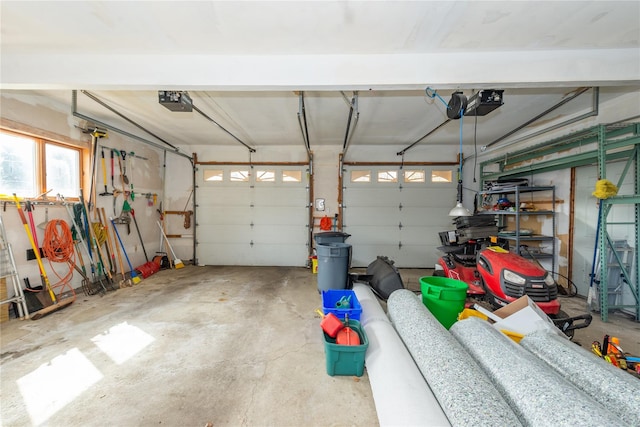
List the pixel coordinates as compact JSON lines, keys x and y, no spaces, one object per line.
{"x":177,"y":263}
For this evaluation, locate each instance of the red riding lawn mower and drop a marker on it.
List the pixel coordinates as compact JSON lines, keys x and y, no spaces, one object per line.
{"x":498,"y":277}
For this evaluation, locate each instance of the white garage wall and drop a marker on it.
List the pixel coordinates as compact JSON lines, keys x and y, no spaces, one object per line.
{"x":42,"y":117}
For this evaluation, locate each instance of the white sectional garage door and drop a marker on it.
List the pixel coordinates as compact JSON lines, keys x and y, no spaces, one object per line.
{"x":252,"y":216}
{"x":398,"y":213}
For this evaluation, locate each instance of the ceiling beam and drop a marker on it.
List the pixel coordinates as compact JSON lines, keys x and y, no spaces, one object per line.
{"x":471,"y":70}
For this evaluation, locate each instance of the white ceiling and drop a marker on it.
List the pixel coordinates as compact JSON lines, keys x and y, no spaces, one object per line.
{"x":245,"y":62}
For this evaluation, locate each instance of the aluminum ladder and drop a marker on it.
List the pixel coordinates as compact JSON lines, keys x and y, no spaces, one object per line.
{"x":9,"y":275}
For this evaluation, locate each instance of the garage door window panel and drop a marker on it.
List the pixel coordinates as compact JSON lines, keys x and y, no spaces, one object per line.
{"x":441,"y":176}
{"x":213,"y":175}
{"x":266,"y":176}
{"x":414,"y":176}
{"x":360,"y":176}
{"x":292,"y":176}
{"x":388,"y":176}
{"x":239,"y":176}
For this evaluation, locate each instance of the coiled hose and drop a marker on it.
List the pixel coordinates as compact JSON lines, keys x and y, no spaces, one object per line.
{"x":58,"y":248}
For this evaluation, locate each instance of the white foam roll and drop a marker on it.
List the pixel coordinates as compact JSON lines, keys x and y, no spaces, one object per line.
{"x":463,"y":390}
{"x":536,"y":392}
{"x":613,"y":388}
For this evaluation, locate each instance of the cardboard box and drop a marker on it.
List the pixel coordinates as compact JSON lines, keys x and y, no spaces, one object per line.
{"x":522,"y":316}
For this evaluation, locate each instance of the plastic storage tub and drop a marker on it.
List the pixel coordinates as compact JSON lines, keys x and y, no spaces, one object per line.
{"x":331,"y":297}
{"x":444,"y":298}
{"x":346,"y":359}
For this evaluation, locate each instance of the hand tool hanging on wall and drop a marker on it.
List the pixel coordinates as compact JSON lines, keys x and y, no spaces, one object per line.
{"x":124,"y":216}
{"x":124,"y":177}
{"x":131,"y":164}
{"x":113,"y":187}
{"x":134,"y":275}
{"x":104,"y":175}
{"x":56,"y":304}
{"x":29,"y":208}
{"x":104,"y":230}
{"x":96,"y":134}
{"x":135,"y":221}
{"x":116,"y":248}
{"x":88,"y":287}
{"x":34,"y":246}
{"x":96,"y":244}
{"x":111,"y":247}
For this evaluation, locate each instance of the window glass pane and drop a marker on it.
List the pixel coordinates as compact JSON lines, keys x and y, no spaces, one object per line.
{"x":414,"y":176}
{"x":63,"y":176}
{"x":291,"y":176}
{"x":387,"y":176}
{"x":360,"y":176}
{"x":17,"y":165}
{"x":239,"y":176}
{"x":213,"y":175}
{"x":265,"y":176}
{"x":441,"y":176}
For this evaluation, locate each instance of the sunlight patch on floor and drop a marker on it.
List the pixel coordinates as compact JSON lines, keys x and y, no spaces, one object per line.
{"x":55,"y":384}
{"x":122,"y":341}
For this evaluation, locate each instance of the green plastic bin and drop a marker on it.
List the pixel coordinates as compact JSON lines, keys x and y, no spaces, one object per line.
{"x":444,"y":298}
{"x":346,"y":359}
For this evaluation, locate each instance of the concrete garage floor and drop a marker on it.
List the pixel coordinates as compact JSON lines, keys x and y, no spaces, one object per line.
{"x":220,"y":345}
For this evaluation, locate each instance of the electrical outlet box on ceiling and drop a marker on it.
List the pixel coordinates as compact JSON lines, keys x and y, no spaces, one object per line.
{"x":484,"y":102}
{"x":175,"y":100}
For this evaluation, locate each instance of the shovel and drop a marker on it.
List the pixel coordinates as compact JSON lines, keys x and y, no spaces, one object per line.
{"x":124,"y":177}
{"x":346,"y":335}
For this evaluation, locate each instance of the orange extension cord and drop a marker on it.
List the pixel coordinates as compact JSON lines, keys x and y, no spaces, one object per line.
{"x":58,"y":247}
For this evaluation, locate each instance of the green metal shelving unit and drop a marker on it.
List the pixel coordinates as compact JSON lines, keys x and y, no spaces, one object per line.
{"x":603,"y":143}
{"x":629,"y":272}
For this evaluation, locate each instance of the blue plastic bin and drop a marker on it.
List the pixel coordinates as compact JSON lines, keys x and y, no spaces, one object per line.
{"x":331,"y":296}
